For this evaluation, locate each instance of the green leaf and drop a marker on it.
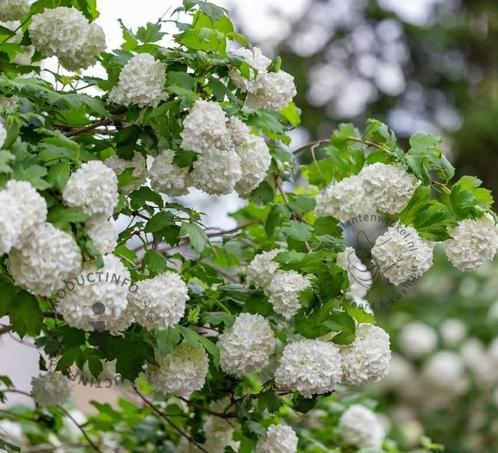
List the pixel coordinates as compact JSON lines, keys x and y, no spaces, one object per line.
{"x":155,"y":262}
{"x":194,"y":339}
{"x":298,"y":230}
{"x":341,"y":136}
{"x":150,"y":33}
{"x":292,"y":114}
{"x":468,"y":199}
{"x":314,"y":323}
{"x":159,"y":221}
{"x":140,"y":197}
{"x":25,"y":315}
{"x":34,"y":174}
{"x":58,"y":174}
{"x":62,"y":217}
{"x":167,"y":340}
{"x":5,"y":158}
{"x":198,"y":238}
{"x":277,"y":216}
{"x":184,"y":158}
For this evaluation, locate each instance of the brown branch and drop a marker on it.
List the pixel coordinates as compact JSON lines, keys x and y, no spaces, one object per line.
{"x":103,"y":122}
{"x":207,"y":411}
{"x":323,"y":141}
{"x":5,"y":329}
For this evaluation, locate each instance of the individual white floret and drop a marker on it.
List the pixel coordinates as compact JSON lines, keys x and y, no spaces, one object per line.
{"x":255,"y":160}
{"x":96,"y":298}
{"x":139,"y":172}
{"x":216,"y":172}
{"x":44,"y":260}
{"x":452,"y":331}
{"x":10,"y":222}
{"x":258,"y":62}
{"x":271,"y":91}
{"x":159,"y":302}
{"x":417,"y":339}
{"x":13,"y":9}
{"x":3,"y":134}
{"x":93,"y":188}
{"x":102,"y":233}
{"x":344,"y":199}
{"x":247,"y":345}
{"x":367,"y":358}
{"x":389,"y":186}
{"x":50,"y":388}
{"x":166,"y":177}
{"x":401,"y":254}
{"x":473,"y":243}
{"x":284,"y":290}
{"x":181,"y":372}
{"x":205,"y":128}
{"x":360,"y":279}
{"x":361,"y":427}
{"x":141,"y":82}
{"x":262,"y":268}
{"x":278,"y":439}
{"x":310,"y":367}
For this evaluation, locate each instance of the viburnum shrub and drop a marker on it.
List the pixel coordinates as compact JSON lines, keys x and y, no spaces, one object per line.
{"x":222,"y":335}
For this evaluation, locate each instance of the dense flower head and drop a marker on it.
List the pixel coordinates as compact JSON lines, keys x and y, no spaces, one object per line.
{"x":344,"y":199}
{"x":359,"y":426}
{"x":8,"y":105}
{"x":3,"y":134}
{"x":93,"y":188}
{"x":258,"y":62}
{"x":360,"y":279}
{"x":367,"y":358}
{"x":401,"y":373}
{"x":51,"y":388}
{"x":96,"y":298}
{"x":219,"y":434}
{"x":417,"y":339}
{"x":477,"y":359}
{"x":444,"y":369}
{"x":247,"y":345}
{"x":452,"y":331}
{"x":181,"y":372}
{"x":279,"y":438}
{"x":166,"y":177}
{"x":45,"y":258}
{"x":473,"y":243}
{"x":102,"y":233}
{"x":13,"y":9}
{"x":401,"y":254}
{"x":310,"y":367}
{"x":141,"y":82}
{"x":283,"y":292}
{"x":139,"y":172}
{"x":262,"y":268}
{"x":390,"y":187}
{"x":10,"y":222}
{"x":159,"y":302}
{"x":255,"y":160}
{"x":271,"y":91}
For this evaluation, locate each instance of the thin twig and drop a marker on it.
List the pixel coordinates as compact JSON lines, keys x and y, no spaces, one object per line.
{"x":102,"y":122}
{"x":323,"y":141}
{"x":85,"y":434}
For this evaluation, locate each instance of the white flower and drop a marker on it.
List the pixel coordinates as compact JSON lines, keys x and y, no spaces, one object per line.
{"x":3,"y":134}
{"x":159,"y":302}
{"x":401,"y":254}
{"x":181,"y":372}
{"x":271,"y":91}
{"x":13,"y":9}
{"x":359,"y":426}
{"x":10,"y":222}
{"x":141,"y":82}
{"x":46,"y":258}
{"x":278,"y":439}
{"x":8,"y":106}
{"x":400,"y":374}
{"x":166,"y":177}
{"x":310,"y":367}
{"x":205,"y":128}
{"x":255,"y":160}
{"x":360,"y":279}
{"x":50,"y":388}
{"x":262,"y":268}
{"x":493,"y":350}
{"x":367,"y":358}
{"x":477,"y":359}
{"x":247,"y":345}
{"x":219,"y":435}
{"x":473,"y":243}
{"x":96,"y":298}
{"x":344,"y":199}
{"x":102,"y":233}
{"x":283,"y":292}
{"x":255,"y":58}
{"x":139,"y":172}
{"x":216,"y":172}
{"x":93,"y":188}
{"x":417,"y":339}
{"x":452,"y":331}
{"x":390,"y":187}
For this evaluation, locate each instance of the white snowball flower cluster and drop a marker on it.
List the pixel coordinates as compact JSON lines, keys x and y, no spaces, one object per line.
{"x":13,"y":9}
{"x":445,"y":369}
{"x":3,"y":134}
{"x":417,"y":339}
{"x":139,"y":172}
{"x":401,"y":374}
{"x":10,"y":222}
{"x":219,"y":431}
{"x":278,"y":439}
{"x":310,"y":367}
{"x":44,"y":260}
{"x":359,"y":426}
{"x":96,"y":298}
{"x":255,"y":58}
{"x":452,"y":331}
{"x":477,"y":359}
{"x":159,"y":302}
{"x":401,"y":254}
{"x":367,"y":358}
{"x":166,"y":177}
{"x":390,"y":187}
{"x":102,"y":233}
{"x":93,"y":188}
{"x":344,"y":200}
{"x":283,"y":292}
{"x":247,"y":345}
{"x":50,"y":388}
{"x":360,"y":279}
{"x":181,"y":372}
{"x":473,"y":243}
{"x":141,"y":82}
{"x":255,"y":159}
{"x":67,"y":34}
{"x":262,"y":268}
